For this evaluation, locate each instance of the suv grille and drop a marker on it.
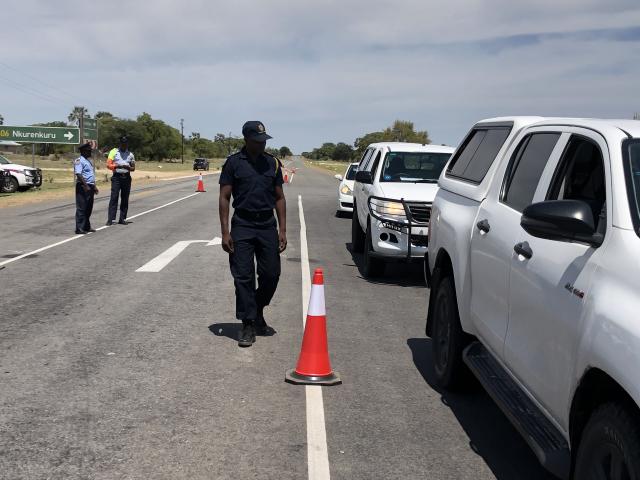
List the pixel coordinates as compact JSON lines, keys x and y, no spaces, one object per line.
{"x":421,"y":212}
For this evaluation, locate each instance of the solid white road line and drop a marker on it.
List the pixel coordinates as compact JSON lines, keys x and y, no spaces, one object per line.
{"x":76,"y":237}
{"x":317,"y":454}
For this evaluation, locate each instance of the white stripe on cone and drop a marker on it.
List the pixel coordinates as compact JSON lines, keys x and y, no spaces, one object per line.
{"x":316,"y":302}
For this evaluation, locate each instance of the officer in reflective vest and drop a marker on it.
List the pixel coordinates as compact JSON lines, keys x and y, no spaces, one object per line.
{"x":254,"y":179}
{"x":85,"y":189}
{"x":122,"y":164}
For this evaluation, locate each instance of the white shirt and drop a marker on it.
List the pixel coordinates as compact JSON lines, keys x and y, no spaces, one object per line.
{"x":123,"y":158}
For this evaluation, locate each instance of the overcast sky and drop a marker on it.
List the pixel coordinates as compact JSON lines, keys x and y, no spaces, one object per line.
{"x":323,"y":70}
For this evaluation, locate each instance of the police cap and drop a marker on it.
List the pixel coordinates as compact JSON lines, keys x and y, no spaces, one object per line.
{"x":254,"y":130}
{"x":86,"y":146}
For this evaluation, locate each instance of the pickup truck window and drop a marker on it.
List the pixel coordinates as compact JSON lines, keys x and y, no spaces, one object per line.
{"x":525,"y":168}
{"x":415,"y":167}
{"x":580,"y":175}
{"x":477,"y":153}
{"x":631,"y":157}
{"x":4,"y":161}
{"x":365,"y":159}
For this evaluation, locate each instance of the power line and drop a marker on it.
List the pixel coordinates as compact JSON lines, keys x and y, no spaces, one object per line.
{"x":28,"y":91}
{"x":38,"y":80}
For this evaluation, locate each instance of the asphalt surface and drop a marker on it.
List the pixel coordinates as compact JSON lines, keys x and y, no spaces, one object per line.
{"x":109,"y":373}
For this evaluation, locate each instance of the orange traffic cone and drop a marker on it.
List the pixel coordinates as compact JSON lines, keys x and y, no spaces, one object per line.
{"x":200,"y":184}
{"x":286,"y":177}
{"x":314,"y":367}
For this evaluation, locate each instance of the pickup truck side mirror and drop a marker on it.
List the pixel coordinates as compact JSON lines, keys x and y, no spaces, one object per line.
{"x":561,"y":220}
{"x":364,"y":177}
{"x":338,"y":176}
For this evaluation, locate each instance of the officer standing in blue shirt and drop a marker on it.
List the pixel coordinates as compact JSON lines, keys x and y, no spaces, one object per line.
{"x":85,"y":189}
{"x":254,"y":179}
{"x":123,"y":164}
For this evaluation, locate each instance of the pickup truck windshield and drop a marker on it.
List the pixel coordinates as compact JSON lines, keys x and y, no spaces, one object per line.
{"x":351,"y":173}
{"x":4,"y":161}
{"x":413,"y":167}
{"x":633,"y":171}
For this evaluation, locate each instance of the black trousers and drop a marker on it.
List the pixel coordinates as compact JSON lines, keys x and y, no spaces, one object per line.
{"x":120,"y":187}
{"x":84,"y":207}
{"x":260,"y":242}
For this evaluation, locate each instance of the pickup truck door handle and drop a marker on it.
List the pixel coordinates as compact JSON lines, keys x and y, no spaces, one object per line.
{"x":483,"y":226}
{"x":523,"y":249}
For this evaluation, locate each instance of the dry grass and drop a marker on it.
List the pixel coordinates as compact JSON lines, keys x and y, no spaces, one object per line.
{"x":328,"y":165}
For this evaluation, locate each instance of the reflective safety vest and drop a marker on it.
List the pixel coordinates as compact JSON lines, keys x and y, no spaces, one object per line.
{"x":112,"y":153}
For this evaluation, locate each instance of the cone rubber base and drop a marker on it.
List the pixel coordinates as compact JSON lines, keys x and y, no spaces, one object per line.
{"x":292,"y":377}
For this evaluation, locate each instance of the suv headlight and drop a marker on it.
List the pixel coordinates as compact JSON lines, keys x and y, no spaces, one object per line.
{"x":345,"y":190}
{"x":388,"y":210}
{"x":29,"y":173}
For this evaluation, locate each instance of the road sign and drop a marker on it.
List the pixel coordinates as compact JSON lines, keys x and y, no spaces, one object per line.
{"x":90,"y":131}
{"x":68,"y":135}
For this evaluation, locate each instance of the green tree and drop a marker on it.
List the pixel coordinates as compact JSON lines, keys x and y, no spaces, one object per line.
{"x":1,"y":120}
{"x":76,"y":114}
{"x":101,"y":115}
{"x":285,"y":152}
{"x":400,"y":131}
{"x":343,"y":152}
{"x":363,"y":142}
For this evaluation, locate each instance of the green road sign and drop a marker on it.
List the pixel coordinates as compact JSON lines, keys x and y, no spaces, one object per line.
{"x":90,"y":131}
{"x":68,"y":135}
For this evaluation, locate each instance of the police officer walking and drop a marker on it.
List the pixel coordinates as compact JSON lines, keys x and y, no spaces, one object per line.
{"x":122,"y":164}
{"x":254,"y":179}
{"x":85,"y":189}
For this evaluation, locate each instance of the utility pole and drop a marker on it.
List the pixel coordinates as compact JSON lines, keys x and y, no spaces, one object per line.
{"x":182,"y":135}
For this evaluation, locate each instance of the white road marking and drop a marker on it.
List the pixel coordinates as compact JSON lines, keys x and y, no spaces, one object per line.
{"x":165,"y":258}
{"x":317,"y":454}
{"x":76,"y":237}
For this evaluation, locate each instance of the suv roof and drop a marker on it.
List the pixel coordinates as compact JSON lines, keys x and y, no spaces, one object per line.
{"x":629,"y":127}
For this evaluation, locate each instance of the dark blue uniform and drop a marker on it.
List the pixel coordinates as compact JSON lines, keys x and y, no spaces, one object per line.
{"x":253,"y":230}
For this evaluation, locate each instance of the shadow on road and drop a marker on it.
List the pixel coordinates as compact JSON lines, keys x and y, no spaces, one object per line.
{"x":396,"y":273}
{"x":490,"y":434}
{"x":229,"y":330}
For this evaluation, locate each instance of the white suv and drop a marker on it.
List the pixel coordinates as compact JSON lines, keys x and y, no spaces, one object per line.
{"x":394,"y":187}
{"x":535,"y":271}
{"x":19,"y":176}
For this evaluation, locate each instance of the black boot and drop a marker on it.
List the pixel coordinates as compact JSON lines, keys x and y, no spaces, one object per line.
{"x":247,"y":336}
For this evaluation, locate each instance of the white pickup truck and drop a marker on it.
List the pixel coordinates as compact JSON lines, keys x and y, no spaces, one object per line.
{"x":534,"y":268}
{"x":394,"y":187}
{"x":19,"y":176}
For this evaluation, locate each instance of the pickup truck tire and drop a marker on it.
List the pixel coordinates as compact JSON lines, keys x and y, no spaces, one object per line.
{"x":11,"y":186}
{"x":373,"y":267}
{"x":448,"y":338}
{"x":357,"y":236}
{"x":610,"y":445}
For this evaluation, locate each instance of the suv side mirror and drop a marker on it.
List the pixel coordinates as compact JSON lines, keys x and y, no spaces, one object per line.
{"x":364,"y":177}
{"x":338,"y":176}
{"x":561,"y":220}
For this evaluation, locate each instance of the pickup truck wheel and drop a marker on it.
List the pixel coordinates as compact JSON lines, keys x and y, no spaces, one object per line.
{"x":609,"y":448}
{"x":357,"y":237}
{"x":10,"y":186}
{"x":448,"y":338}
{"x":373,"y":267}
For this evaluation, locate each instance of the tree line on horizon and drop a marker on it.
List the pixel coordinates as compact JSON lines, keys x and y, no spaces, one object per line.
{"x":399,"y":131}
{"x":149,"y":138}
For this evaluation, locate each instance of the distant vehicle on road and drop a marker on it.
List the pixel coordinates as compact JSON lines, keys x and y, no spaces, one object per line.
{"x":201,"y":164}
{"x":345,"y":189}
{"x":535,"y":285}
{"x":394,"y":187}
{"x":19,"y":176}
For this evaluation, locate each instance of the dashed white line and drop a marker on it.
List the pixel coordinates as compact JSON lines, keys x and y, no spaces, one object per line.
{"x":76,"y":237}
{"x":317,"y":453}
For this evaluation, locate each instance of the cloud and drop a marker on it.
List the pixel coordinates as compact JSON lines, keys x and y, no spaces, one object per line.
{"x":325,"y":70}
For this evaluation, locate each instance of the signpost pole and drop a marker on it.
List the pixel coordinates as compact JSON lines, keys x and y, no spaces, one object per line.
{"x":33,"y":155}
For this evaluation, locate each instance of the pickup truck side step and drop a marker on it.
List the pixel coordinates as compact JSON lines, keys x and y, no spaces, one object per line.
{"x":542,"y":436}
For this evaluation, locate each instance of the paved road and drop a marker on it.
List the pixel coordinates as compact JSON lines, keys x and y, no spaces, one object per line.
{"x":109,"y":373}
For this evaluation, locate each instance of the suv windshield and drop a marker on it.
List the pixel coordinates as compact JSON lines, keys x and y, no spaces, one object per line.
{"x":4,"y":161}
{"x":415,"y":167}
{"x":351,"y":173}
{"x":633,"y":171}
